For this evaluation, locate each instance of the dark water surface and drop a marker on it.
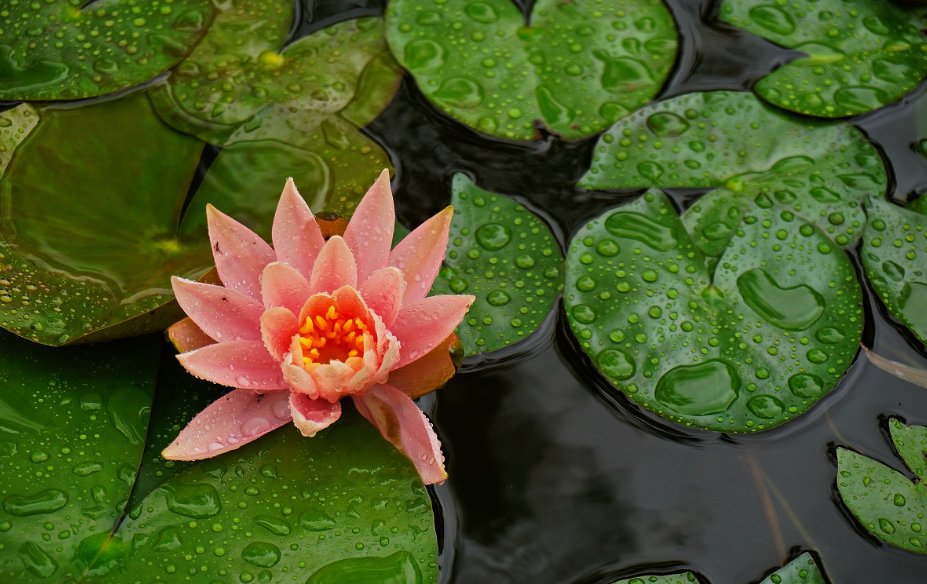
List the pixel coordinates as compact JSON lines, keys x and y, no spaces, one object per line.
{"x":555,"y":477}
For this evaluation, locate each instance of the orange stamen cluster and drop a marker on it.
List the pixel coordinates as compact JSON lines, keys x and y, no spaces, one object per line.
{"x":331,"y":336}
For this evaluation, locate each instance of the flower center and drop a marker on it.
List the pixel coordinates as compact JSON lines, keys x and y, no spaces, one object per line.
{"x":329,"y":336}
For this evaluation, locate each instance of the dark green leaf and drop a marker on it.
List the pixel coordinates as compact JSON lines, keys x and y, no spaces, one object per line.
{"x":65,"y":49}
{"x":860,"y":56}
{"x":746,"y":348}
{"x":801,"y":570}
{"x":818,"y":170}
{"x":507,"y":257}
{"x":682,"y":578}
{"x":576,"y":68}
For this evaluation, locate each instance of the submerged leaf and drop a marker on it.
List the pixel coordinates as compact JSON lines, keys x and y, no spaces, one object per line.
{"x":61,"y":49}
{"x":820,"y":171}
{"x":574,"y":67}
{"x":860,"y":56}
{"x":745,"y":348}
{"x":505,"y":256}
{"x":915,"y":375}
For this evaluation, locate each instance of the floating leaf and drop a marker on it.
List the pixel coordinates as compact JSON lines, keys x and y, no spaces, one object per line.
{"x":819,"y":170}
{"x":15,"y":125}
{"x":577,"y":68}
{"x":860,"y":56}
{"x":72,"y":429}
{"x":505,"y":256}
{"x":894,"y":256}
{"x":346,"y":504}
{"x":682,"y":578}
{"x":746,"y":348}
{"x":888,"y":504}
{"x":65,"y":49}
{"x":801,"y":570}
{"x":90,"y":245}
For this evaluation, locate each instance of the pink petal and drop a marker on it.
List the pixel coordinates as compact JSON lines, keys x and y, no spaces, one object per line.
{"x":222,"y":313}
{"x":419,"y":255}
{"x":239,"y":253}
{"x":186,"y":336}
{"x":282,"y":285}
{"x":333,"y":268}
{"x":370,"y":233}
{"x":236,"y":364}
{"x":239,"y":417}
{"x":420,"y":327}
{"x":313,"y":415}
{"x":278,"y":327}
{"x":296,"y":234}
{"x":406,"y":427}
{"x":382,"y":292}
{"x":430,"y":371}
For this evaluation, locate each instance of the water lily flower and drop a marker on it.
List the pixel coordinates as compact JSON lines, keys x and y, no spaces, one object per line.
{"x":298,"y":326}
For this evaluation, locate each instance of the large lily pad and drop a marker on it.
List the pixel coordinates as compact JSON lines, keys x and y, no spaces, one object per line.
{"x":801,"y":570}
{"x":886,"y":502}
{"x":72,"y":430}
{"x":860,"y":56}
{"x":67,"y":49}
{"x":895,"y":259}
{"x":819,"y":170}
{"x":506,"y":256}
{"x":575,"y":67}
{"x":745,"y":348}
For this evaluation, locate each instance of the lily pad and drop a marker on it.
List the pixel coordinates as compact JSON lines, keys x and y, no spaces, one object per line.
{"x":345,"y":503}
{"x":801,"y":570}
{"x":819,"y":170}
{"x":894,"y":256}
{"x":66,"y":49}
{"x":575,"y":67}
{"x":507,"y":257}
{"x":72,"y":430}
{"x":745,"y":348}
{"x":681,"y":578}
{"x":860,"y":56}
{"x":887,"y":503}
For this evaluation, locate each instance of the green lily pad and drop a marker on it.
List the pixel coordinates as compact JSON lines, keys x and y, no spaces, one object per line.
{"x":860,"y":56}
{"x":15,"y":125}
{"x":72,"y":430}
{"x":801,"y":570}
{"x":66,"y":49}
{"x":819,"y":170}
{"x":343,"y":504}
{"x":681,"y":578}
{"x":92,"y":244}
{"x":576,"y":68}
{"x":745,"y":348}
{"x":888,"y":504}
{"x":506,"y":256}
{"x":895,"y":259}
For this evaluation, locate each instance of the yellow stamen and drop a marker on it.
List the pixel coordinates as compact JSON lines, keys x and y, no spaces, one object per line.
{"x":327,"y":336}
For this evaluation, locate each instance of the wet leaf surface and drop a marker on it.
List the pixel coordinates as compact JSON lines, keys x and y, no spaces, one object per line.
{"x":801,"y":570}
{"x":819,"y":170}
{"x":576,"y":67}
{"x":860,"y":56}
{"x":894,"y":256}
{"x":61,"y":49}
{"x":745,"y":348}
{"x":886,"y":502}
{"x":506,"y":256}
{"x":683,"y":578}
{"x":72,"y":430}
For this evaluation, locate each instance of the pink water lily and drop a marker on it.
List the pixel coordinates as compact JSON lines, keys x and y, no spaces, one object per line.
{"x":298,"y":326}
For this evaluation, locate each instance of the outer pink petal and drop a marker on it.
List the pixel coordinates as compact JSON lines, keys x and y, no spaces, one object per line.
{"x":278,"y":327}
{"x":383,"y":291}
{"x":419,"y":255}
{"x":239,"y":253}
{"x":406,"y":427}
{"x":236,"y":419}
{"x":222,"y":313}
{"x":282,"y":285}
{"x":296,"y":234}
{"x":420,"y":327}
{"x":186,"y":336}
{"x":333,"y":268}
{"x":370,"y":233}
{"x":236,"y":364}
{"x":312,"y":416}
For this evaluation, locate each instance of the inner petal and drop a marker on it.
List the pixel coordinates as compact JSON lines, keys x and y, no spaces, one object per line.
{"x":329,"y":333}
